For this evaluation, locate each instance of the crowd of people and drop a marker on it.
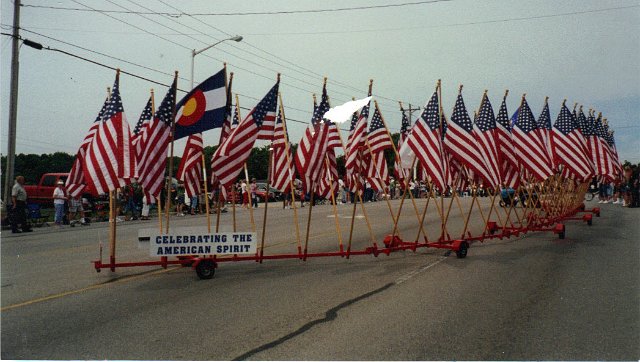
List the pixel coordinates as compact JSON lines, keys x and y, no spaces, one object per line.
{"x":132,"y":203}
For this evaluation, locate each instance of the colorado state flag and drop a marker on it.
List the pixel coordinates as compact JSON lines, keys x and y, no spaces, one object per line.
{"x":203,"y":108}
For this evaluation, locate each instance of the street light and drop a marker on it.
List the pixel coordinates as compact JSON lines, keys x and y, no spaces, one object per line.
{"x":194,"y":52}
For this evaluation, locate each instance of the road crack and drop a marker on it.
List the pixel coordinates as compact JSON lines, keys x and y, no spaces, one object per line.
{"x":330,"y":315}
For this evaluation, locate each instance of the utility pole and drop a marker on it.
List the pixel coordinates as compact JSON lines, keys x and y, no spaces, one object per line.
{"x":13,"y":103}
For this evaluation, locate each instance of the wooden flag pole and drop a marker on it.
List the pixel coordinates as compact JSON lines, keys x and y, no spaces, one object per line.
{"x":335,"y":209}
{"x":404,"y":196}
{"x":306,"y":240}
{"x":353,"y":217}
{"x":291,"y":186}
{"x":234,"y":191}
{"x":206,"y":192}
{"x":158,"y":202}
{"x":266,"y":200}
{"x":333,"y":201}
{"x":443,"y":225}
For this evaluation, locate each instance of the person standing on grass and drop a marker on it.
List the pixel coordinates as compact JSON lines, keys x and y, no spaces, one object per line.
{"x":59,"y":200}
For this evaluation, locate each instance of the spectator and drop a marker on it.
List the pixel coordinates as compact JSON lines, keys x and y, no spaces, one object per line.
{"x":145,"y":208}
{"x":19,"y":207}
{"x":180,"y":200}
{"x":59,"y":201}
{"x":75,"y":207}
{"x":245,"y":194}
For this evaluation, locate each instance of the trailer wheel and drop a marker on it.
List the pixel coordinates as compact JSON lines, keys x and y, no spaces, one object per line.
{"x":206,"y":269}
{"x":462,"y":251}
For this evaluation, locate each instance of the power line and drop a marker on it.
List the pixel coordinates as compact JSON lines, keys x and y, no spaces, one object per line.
{"x":280,"y":12}
{"x":183,"y":46}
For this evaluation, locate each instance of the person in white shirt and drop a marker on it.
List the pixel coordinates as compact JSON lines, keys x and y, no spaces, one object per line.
{"x":59,"y":200}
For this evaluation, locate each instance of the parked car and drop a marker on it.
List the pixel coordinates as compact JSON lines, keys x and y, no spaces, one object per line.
{"x":42,"y":193}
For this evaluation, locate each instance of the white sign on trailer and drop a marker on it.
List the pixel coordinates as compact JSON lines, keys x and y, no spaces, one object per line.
{"x":198,"y":241}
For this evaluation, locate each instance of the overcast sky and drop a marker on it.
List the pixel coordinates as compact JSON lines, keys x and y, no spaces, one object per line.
{"x":585,"y":51}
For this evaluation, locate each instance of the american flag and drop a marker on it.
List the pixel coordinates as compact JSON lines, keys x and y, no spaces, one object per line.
{"x":281,"y":168}
{"x":109,"y":162}
{"x":544,"y":124}
{"x":268,"y":124}
{"x":578,"y":121}
{"x":379,"y":140}
{"x":615,"y":160}
{"x":614,"y":154}
{"x":75,"y":183}
{"x":602,"y":151}
{"x":139,"y":131}
{"x":529,"y":145}
{"x":313,"y":146}
{"x":230,"y":157}
{"x":378,"y":136}
{"x":190,"y":169}
{"x":567,"y":146}
{"x":484,"y":131}
{"x":355,"y":146}
{"x":509,"y":165}
{"x":153,"y":159}
{"x":461,"y":144}
{"x":425,"y":140}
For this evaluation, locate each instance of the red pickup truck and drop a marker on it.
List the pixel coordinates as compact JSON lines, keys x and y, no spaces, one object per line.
{"x":42,"y":193}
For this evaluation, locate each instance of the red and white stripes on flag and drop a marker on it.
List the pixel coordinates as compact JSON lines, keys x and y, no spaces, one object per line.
{"x":190,"y":169}
{"x":281,"y":168}
{"x":156,"y":139}
{"x":566,"y":145}
{"x":425,"y":141}
{"x":377,"y":171}
{"x":378,"y":140}
{"x":75,"y":183}
{"x":529,"y":145}
{"x":355,"y":144}
{"x":603,"y":154}
{"x":509,"y":164}
{"x":231,"y":155}
{"x":460,"y":142}
{"x":109,"y":161}
{"x":484,"y":131}
{"x":329,"y":175}
{"x":313,"y":146}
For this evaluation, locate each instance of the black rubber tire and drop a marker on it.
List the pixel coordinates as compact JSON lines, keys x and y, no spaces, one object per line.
{"x":462,"y":252}
{"x":590,"y":222}
{"x":561,"y":235}
{"x":206,"y":269}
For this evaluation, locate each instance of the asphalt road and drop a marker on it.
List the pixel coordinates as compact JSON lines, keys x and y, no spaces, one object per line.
{"x":533,"y":297}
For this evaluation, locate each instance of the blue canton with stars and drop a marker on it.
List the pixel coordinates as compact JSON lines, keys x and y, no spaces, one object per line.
{"x":376,"y":122}
{"x":267,"y":104}
{"x":145,"y":116}
{"x":430,"y":113}
{"x":525,"y":121}
{"x":503,"y":115}
{"x":544,"y":122}
{"x":406,"y":123}
{"x":354,"y":121}
{"x":321,"y":109}
{"x":486,"y":120}
{"x":564,"y":122}
{"x":114,"y":105}
{"x":460,"y":115}
{"x":165,"y":111}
